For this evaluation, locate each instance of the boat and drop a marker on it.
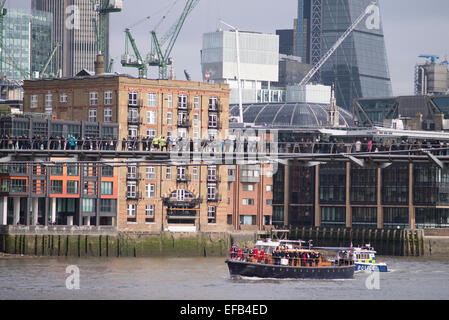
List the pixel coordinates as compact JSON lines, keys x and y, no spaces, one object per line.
{"x":365,"y":260}
{"x":288,"y":259}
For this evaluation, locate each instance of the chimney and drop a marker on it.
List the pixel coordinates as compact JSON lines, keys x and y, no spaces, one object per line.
{"x":99,"y":65}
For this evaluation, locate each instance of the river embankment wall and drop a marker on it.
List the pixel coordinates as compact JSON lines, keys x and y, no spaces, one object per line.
{"x":107,"y":242}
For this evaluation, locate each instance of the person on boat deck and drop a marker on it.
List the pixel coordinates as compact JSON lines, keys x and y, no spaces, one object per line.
{"x":240,"y":254}
{"x":256,"y":255}
{"x":262,"y":256}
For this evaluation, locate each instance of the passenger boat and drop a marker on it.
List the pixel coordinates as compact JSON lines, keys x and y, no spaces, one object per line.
{"x":287,"y":259}
{"x":365,"y":260}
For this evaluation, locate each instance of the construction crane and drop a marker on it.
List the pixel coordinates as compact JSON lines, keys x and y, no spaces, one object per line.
{"x":433,"y":58}
{"x":47,"y":62}
{"x":127,"y":61}
{"x":3,"y":12}
{"x":337,"y":44}
{"x":161,"y":57}
{"x":103,"y":9}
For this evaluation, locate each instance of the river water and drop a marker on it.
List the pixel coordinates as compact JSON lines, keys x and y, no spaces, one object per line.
{"x":27,"y":278}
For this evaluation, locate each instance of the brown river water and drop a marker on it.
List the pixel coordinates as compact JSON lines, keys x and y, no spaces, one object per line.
{"x":28,"y":278}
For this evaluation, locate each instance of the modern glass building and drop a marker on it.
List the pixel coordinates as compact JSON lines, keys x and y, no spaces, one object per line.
{"x":28,"y":42}
{"x":359,"y":67}
{"x":74,"y":28}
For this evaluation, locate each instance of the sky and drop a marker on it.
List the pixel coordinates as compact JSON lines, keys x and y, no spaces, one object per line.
{"x":411,"y":28}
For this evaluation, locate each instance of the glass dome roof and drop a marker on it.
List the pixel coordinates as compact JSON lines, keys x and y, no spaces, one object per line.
{"x":289,"y":115}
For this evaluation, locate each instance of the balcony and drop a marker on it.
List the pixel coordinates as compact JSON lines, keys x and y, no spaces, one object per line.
{"x":214,"y":108}
{"x":182,"y":178}
{"x":133,"y":195}
{"x":182,"y":204}
{"x":185,"y":106}
{"x":133,"y":176}
{"x":134,"y":121}
{"x":184,"y":124}
{"x":213,"y":179}
{"x":214,"y":125}
{"x":213,"y":197}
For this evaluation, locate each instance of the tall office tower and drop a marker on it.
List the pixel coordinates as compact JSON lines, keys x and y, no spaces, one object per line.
{"x":359,"y":67}
{"x":27,"y":42}
{"x":74,"y":27}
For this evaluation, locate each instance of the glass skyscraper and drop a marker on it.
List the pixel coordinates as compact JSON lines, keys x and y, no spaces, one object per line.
{"x":27,"y":42}
{"x":359,"y":67}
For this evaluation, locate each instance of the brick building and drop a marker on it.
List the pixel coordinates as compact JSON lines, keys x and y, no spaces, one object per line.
{"x":150,"y":197}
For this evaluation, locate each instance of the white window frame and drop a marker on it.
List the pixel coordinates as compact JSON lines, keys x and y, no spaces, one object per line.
{"x":170,"y":101}
{"x":150,"y":190}
{"x":149,"y":210}
{"x":92,"y":115}
{"x":93,"y":98}
{"x":108,"y":115}
{"x":49,"y":103}
{"x":151,"y":173}
{"x":133,"y":98}
{"x":212,"y":214}
{"x":196,"y":119}
{"x":196,"y":102}
{"x":63,"y":97}
{"x":151,"y":117}
{"x":152,"y":99}
{"x":151,"y":133}
{"x":168,"y":173}
{"x":108,"y":98}
{"x":195,"y":173}
{"x":131,"y":210}
{"x":169,"y":118}
{"x":211,"y":192}
{"x":182,"y":101}
{"x":34,"y":101}
{"x":131,"y":189}
{"x":133,"y":131}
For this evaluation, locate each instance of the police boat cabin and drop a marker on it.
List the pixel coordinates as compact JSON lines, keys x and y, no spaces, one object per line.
{"x":288,"y":259}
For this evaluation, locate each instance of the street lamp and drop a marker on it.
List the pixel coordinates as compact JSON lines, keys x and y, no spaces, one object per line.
{"x":237,"y":47}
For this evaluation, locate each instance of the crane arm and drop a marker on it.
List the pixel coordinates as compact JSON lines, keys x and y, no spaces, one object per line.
{"x":134,"y":46}
{"x":190,"y":5}
{"x":337,"y":44}
{"x":47,"y":62}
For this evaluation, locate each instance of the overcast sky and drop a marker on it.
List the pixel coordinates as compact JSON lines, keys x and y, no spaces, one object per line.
{"x":411,"y":28}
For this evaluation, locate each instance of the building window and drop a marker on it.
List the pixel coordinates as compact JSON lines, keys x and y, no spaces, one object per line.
{"x":151,"y":117}
{"x":131,"y":189}
{"x":213,"y":120}
{"x":182,"y":101}
{"x":34,"y":101}
{"x":49,"y":103}
{"x":56,"y":170}
{"x":107,"y":188}
{"x":211,"y":192}
{"x":107,"y":171}
{"x":248,"y":202}
{"x":108,"y":98}
{"x":211,"y":214}
{"x":333,"y":216}
{"x":92,"y":115}
{"x":247,"y":220}
{"x":212,"y":173}
{"x":269,"y":188}
{"x":196,"y":102}
{"x":93,"y":98}
{"x":107,"y":205}
{"x":90,"y":188}
{"x":149,"y":213}
{"x":151,"y":133}
{"x":248,"y":187}
{"x":72,"y":170}
{"x":170,"y":101}
{"x":132,"y":131}
{"x":151,"y":173}
{"x":56,"y":186}
{"x":168,"y":173}
{"x":152,"y":100}
{"x":72,"y":187}
{"x":150,"y":190}
{"x":213,"y":103}
{"x":196,"y":121}
{"x":195,"y":173}
{"x":131,"y":212}
{"x":132,"y":98}
{"x":89,"y":205}
{"x":169,"y":118}
{"x":107,"y":115}
{"x":63,"y":97}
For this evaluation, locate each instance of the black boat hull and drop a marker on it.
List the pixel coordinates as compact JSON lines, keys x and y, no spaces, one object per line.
{"x":247,"y":269}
